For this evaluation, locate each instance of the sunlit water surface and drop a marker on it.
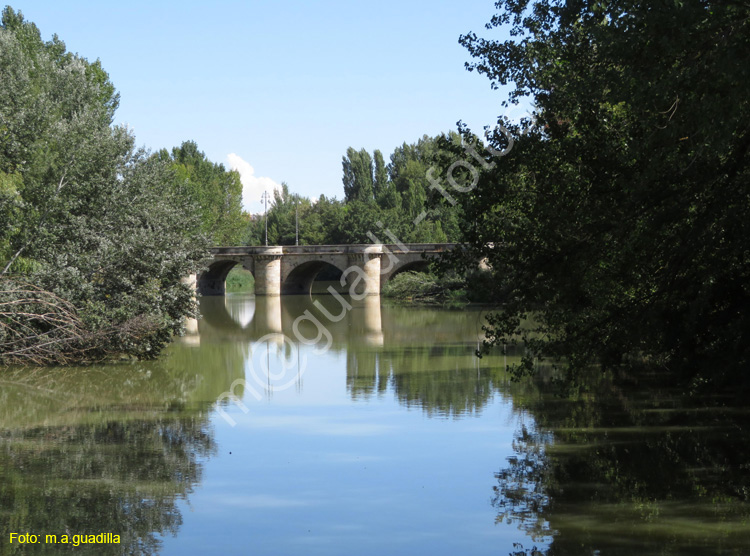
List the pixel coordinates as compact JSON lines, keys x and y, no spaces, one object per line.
{"x":276,"y":426}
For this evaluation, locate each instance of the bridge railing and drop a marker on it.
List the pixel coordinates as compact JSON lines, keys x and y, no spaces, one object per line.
{"x":333,"y":249}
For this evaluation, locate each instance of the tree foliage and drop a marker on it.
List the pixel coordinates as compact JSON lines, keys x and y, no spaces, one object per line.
{"x":619,"y":216}
{"x":214,"y":189}
{"x":358,"y":175}
{"x":384,"y":201}
{"x":90,"y":219}
{"x":286,"y":210}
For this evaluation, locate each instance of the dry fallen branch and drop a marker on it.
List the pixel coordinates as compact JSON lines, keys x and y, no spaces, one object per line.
{"x":38,"y":327}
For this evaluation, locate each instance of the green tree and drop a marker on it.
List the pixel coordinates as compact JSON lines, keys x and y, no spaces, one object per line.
{"x":323,"y":224}
{"x":92,"y":220}
{"x":385,"y":192}
{"x":381,"y":173}
{"x":411,"y":184}
{"x":358,"y":175}
{"x":619,"y":216}
{"x":405,"y":203}
{"x":407,"y":157}
{"x":216,"y":190}
{"x":426,"y":216}
{"x":287,"y":209}
{"x":360,"y":218}
{"x":388,"y":197}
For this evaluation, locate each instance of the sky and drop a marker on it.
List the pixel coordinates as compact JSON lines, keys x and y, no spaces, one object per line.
{"x":279,"y":90}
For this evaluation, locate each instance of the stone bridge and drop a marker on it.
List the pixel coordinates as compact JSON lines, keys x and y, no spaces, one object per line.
{"x":281,"y":270}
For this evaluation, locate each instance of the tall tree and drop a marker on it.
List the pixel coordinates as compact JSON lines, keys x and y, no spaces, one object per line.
{"x":358,"y":175}
{"x":618,"y":217}
{"x":381,"y":173}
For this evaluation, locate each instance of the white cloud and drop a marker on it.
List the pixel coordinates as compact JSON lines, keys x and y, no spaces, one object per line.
{"x":252,"y":186}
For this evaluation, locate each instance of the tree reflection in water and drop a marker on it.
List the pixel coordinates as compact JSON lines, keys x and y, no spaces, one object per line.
{"x":107,"y":449}
{"x":629,"y":469}
{"x":119,"y":478}
{"x":521,"y":495}
{"x":612,"y":468}
{"x":616,"y":467}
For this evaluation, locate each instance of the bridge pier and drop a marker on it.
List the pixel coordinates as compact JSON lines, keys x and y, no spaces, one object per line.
{"x":268,"y":271}
{"x":362,"y":276}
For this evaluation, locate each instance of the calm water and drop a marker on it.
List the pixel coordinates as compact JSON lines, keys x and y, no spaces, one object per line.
{"x":275,"y":427}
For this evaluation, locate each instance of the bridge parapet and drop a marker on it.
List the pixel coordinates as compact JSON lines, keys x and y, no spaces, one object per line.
{"x":334,"y":249}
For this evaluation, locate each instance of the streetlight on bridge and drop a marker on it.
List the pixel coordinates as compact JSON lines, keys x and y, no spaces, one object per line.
{"x":264,"y":199}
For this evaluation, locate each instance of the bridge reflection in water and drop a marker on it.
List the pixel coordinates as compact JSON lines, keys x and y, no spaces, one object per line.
{"x":249,"y":318}
{"x":426,"y":357}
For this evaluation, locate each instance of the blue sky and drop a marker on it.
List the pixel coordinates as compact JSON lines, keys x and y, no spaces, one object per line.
{"x":279,"y":90}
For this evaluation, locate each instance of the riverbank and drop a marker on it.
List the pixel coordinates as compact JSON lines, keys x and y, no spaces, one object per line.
{"x":429,"y":288}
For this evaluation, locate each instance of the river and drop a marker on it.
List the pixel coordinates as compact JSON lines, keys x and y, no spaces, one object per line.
{"x":281,"y":426}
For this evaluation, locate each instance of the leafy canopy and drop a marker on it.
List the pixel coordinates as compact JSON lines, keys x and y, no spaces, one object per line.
{"x":619,"y":217}
{"x":86,"y":215}
{"x":214,"y":189}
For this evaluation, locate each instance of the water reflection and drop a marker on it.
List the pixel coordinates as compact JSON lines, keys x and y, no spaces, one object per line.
{"x":339,"y":464}
{"x":123,"y":478}
{"x":629,"y":468}
{"x":109,"y":449}
{"x":425,"y":357}
{"x":612,"y":468}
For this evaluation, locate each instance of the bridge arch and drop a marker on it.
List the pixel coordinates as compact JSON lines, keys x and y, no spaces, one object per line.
{"x":299,"y":281}
{"x":213,"y":280}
